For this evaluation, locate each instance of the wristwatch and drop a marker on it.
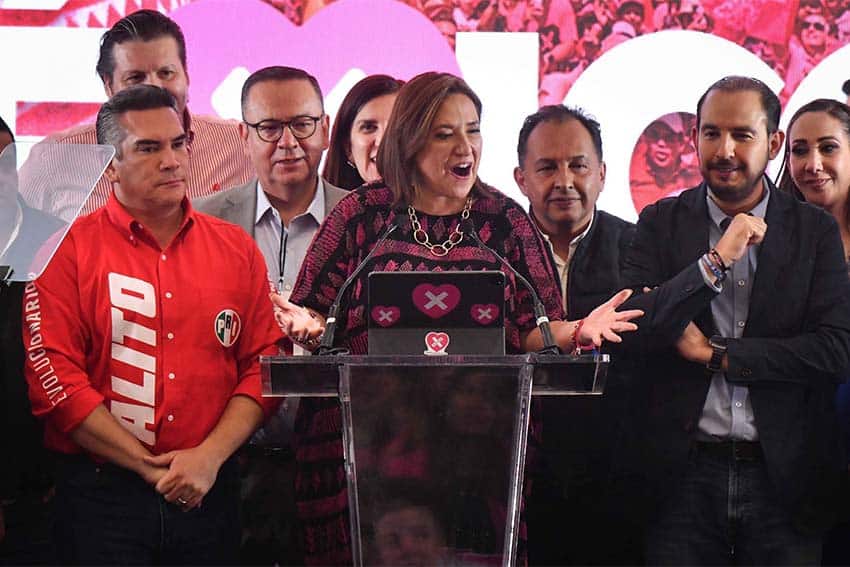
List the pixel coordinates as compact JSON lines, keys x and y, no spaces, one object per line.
{"x":718,"y":349}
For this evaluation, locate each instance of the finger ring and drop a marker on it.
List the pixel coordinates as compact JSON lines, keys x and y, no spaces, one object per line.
{"x":310,"y":342}
{"x":182,"y":502}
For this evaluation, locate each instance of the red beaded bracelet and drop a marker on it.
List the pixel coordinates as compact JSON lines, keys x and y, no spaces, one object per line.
{"x":580,"y":347}
{"x":715,"y":255}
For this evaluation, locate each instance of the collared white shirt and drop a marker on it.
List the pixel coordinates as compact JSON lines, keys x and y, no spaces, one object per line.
{"x":296,"y":237}
{"x":562,"y":265}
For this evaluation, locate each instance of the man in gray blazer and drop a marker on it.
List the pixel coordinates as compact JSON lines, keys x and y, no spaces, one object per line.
{"x":285,"y":131}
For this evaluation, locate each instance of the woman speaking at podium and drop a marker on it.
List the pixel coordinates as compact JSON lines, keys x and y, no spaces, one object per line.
{"x":431,"y":194}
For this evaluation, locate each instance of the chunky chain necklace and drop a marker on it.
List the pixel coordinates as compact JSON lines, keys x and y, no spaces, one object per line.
{"x":454,"y":238}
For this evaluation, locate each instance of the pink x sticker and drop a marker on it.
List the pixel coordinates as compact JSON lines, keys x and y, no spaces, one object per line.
{"x":386,"y":316}
{"x":436,"y":300}
{"x":484,"y":314}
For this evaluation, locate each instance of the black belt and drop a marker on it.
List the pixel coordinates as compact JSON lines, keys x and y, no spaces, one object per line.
{"x":734,"y":450}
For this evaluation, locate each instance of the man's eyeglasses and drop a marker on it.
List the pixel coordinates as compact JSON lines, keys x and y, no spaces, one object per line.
{"x":819,"y":26}
{"x":272,"y":130}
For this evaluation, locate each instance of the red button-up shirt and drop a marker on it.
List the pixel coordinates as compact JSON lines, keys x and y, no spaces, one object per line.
{"x":162,"y":337}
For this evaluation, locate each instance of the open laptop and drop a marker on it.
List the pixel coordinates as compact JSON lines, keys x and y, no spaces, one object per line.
{"x":436,"y":313}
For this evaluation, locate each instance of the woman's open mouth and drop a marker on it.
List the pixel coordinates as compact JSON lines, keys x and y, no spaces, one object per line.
{"x":463,"y":170}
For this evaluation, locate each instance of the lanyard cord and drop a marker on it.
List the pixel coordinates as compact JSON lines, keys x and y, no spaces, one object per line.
{"x":281,"y":256}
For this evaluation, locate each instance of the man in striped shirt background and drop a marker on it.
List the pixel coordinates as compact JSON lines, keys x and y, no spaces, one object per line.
{"x":147,"y":47}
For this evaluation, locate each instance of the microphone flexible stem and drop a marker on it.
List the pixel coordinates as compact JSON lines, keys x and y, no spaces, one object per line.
{"x":326,"y":346}
{"x":542,"y":319}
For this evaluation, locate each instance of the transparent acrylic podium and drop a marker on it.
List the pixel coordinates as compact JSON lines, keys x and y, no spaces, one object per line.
{"x":435,"y":446}
{"x":42,"y":190}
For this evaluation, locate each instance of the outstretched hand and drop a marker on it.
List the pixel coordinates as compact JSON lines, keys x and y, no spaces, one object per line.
{"x":605,"y":322}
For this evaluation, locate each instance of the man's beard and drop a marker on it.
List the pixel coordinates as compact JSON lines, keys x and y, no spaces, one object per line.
{"x":735,"y":193}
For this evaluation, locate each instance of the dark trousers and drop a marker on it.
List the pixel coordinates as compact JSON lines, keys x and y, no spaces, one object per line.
{"x":28,"y":540}
{"x":268,"y":507}
{"x":836,"y":547}
{"x":587,"y":526}
{"x":726,"y":512}
{"x":109,"y":515}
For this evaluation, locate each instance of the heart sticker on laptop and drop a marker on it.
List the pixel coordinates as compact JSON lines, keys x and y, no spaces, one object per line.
{"x":386,"y":316}
{"x":436,"y":300}
{"x":436,"y":343}
{"x":484,"y":314}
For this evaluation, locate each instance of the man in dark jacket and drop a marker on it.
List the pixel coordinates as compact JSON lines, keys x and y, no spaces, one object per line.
{"x":746,"y":331}
{"x":25,"y":477}
{"x":562,"y":173}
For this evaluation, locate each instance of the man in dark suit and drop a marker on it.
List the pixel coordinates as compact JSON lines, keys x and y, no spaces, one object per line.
{"x":562,"y":172}
{"x":284,"y":131}
{"x":746,"y":332}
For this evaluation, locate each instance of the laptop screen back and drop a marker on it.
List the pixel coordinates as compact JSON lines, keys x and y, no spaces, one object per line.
{"x":436,"y":313}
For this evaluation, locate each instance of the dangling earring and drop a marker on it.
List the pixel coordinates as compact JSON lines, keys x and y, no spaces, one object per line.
{"x":351,"y":165}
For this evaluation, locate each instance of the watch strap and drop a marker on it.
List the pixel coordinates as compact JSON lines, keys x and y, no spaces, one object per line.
{"x":718,"y":350}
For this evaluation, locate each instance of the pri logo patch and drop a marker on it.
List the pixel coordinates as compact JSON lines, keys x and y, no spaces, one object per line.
{"x":227,"y":327}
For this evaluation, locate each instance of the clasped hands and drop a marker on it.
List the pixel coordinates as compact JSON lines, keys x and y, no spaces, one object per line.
{"x":183,"y":477}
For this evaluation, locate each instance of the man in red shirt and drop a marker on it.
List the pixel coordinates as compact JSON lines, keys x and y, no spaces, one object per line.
{"x":142,"y":340}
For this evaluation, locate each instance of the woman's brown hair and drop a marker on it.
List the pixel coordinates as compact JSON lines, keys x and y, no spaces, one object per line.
{"x":339,"y":170}
{"x":830,"y":107}
{"x":409,"y":127}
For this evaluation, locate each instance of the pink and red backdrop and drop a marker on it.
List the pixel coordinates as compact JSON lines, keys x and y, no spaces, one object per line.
{"x":637,"y":65}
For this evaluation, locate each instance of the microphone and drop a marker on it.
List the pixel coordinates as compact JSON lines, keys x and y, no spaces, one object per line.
{"x":542,"y":319}
{"x":326,"y":346}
